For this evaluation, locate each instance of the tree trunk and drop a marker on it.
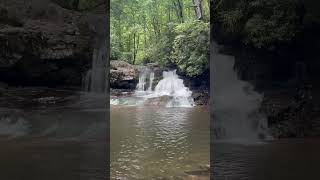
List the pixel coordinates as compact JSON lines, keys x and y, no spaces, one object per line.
{"x":198,"y":8}
{"x":129,"y":44}
{"x":134,"y":48}
{"x":178,"y":4}
{"x":120,"y":33}
{"x":145,"y":32}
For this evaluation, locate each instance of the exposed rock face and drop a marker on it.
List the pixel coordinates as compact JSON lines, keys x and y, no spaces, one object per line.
{"x":200,"y":97}
{"x":44,"y":44}
{"x":292,"y":114}
{"x":123,"y":75}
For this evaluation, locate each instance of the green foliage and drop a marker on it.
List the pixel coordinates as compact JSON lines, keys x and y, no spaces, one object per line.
{"x":281,"y":25}
{"x":191,"y":47}
{"x":261,"y":23}
{"x":160,"y":52}
{"x":115,"y":52}
{"x":161,"y":31}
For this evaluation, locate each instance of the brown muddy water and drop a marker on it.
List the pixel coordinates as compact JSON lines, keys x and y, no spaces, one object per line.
{"x":158,"y":142}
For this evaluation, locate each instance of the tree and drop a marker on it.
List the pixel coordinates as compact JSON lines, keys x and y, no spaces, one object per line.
{"x":144,"y":30}
{"x":198,"y":8}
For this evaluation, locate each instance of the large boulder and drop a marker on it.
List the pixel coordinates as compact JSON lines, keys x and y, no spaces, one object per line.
{"x":123,"y":75}
{"x":43,"y":43}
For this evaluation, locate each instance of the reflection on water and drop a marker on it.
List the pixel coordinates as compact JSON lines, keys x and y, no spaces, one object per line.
{"x":274,"y":160}
{"x":49,"y":134}
{"x":151,"y":142}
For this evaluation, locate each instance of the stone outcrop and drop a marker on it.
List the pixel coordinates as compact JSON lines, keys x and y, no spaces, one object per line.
{"x":292,"y":113}
{"x":123,"y":75}
{"x":43,"y":43}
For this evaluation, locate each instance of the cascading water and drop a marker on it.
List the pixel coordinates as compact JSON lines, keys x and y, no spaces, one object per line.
{"x":142,"y":79}
{"x":95,"y":79}
{"x":151,"y":81}
{"x":235,"y":103}
{"x":170,"y":87}
{"x":173,"y":87}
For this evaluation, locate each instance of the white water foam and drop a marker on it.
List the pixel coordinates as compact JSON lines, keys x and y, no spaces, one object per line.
{"x":13,"y":128}
{"x":151,"y":81}
{"x":173,"y":87}
{"x":170,"y":86}
{"x":235,"y":104}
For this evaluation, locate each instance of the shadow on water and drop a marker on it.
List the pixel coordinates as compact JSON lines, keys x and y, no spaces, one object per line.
{"x":53,"y":134}
{"x":276,"y":160}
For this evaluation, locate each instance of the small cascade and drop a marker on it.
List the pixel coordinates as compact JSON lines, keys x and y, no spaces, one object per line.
{"x":151,"y":81}
{"x":145,"y":83}
{"x":170,"y":89}
{"x":142,"y":79}
{"x":95,"y":79}
{"x":87,"y":81}
{"x":173,"y":87}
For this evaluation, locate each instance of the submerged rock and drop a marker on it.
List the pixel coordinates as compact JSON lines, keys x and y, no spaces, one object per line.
{"x":201,"y":97}
{"x":158,"y":101}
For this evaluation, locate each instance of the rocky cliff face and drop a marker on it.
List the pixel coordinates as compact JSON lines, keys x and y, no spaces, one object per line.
{"x":123,"y":75}
{"x":44,"y":44}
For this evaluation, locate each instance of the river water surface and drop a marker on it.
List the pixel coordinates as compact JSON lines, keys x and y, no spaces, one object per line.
{"x":294,"y":159}
{"x":151,"y":142}
{"x":48,"y":134}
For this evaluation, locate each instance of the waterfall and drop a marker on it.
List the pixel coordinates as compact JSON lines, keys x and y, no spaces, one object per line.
{"x":171,"y":87}
{"x":95,"y":79}
{"x":146,"y":78}
{"x":151,"y":81}
{"x":235,"y":103}
{"x":142,"y":79}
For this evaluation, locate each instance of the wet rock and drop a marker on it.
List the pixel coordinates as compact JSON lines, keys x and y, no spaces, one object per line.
{"x":158,"y":101}
{"x":121,"y":92}
{"x":43,"y":43}
{"x":123,"y":75}
{"x":291,"y":115}
{"x":200,"y":97}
